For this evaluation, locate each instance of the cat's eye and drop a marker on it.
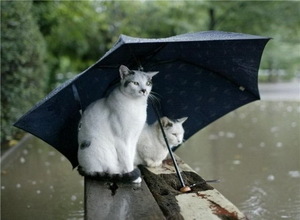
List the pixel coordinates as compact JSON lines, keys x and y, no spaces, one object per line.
{"x":149,"y":83}
{"x":174,"y":134}
{"x":135,"y":83}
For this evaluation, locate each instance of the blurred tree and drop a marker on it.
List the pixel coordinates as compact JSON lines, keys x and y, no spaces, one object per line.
{"x":79,"y":33}
{"x":22,"y":64}
{"x":75,"y":34}
{"x":277,"y":19}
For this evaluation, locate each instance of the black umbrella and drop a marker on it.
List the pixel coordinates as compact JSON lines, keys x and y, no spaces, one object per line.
{"x":202,"y":76}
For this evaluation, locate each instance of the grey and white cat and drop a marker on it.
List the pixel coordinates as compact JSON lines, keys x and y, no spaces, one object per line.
{"x":110,"y":127}
{"x":151,"y":147}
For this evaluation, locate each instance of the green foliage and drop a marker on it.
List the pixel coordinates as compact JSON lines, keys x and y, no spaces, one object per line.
{"x":277,"y":19}
{"x":78,"y":33}
{"x":75,"y":36}
{"x":22,"y":69}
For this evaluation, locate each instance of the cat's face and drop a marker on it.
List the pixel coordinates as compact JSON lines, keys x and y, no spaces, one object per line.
{"x":136,"y":83}
{"x":173,"y":130}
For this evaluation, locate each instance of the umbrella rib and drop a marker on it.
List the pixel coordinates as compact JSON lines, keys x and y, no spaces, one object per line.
{"x":148,"y":56}
{"x":139,"y":62}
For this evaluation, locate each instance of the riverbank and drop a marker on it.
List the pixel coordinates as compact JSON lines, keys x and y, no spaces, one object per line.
{"x":283,"y":91}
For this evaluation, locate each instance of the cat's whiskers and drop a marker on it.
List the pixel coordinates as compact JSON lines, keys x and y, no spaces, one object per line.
{"x":154,"y":99}
{"x":155,"y":93}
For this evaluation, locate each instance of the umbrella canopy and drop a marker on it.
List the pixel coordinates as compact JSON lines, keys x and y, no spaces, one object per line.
{"x":202,"y":76}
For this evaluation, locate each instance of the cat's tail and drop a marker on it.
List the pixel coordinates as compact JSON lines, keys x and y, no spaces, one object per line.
{"x":133,"y":176}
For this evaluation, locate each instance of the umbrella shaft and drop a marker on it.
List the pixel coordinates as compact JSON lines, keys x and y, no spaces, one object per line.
{"x":169,"y":149}
{"x":175,"y":165}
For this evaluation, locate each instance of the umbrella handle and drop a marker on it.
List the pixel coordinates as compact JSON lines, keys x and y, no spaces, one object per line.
{"x":183,"y":188}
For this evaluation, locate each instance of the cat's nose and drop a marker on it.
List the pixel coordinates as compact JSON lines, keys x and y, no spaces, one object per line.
{"x":143,"y":91}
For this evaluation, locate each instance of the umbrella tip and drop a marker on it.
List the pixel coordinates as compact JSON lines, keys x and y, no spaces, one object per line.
{"x":185,"y":189}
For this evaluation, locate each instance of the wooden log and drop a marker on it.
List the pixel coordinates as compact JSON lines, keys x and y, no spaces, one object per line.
{"x":203,"y":202}
{"x":158,"y":197}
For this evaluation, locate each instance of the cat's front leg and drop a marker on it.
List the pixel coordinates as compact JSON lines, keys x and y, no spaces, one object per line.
{"x":126,"y":159}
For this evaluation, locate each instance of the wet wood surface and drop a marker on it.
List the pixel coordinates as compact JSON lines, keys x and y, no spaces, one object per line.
{"x":158,"y":197}
{"x":202,"y":202}
{"x":110,"y":201}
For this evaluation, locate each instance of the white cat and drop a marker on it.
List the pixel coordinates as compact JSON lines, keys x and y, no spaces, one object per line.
{"x":110,"y":127}
{"x":151,"y":147}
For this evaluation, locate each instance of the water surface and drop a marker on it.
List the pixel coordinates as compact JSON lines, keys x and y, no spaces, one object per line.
{"x":37,"y":182}
{"x":255,"y":152}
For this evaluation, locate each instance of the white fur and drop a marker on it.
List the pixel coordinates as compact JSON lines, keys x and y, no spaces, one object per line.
{"x":113,"y":125}
{"x":151,"y":147}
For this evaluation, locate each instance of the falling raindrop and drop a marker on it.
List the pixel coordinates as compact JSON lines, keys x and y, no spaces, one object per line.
{"x":294,"y":124}
{"x":62,"y":158}
{"x":279,"y":144}
{"x":2,"y":187}
{"x":274,"y":129}
{"x":73,"y":198}
{"x":213,"y":137}
{"x":197,"y":169}
{"x":221,"y":133}
{"x":236,"y":162}
{"x":33,"y":182}
{"x":239,"y":145}
{"x":18,"y":185}
{"x":38,"y":192}
{"x":22,"y":160}
{"x":25,"y":152}
{"x":289,"y":109}
{"x":230,"y":135}
{"x":294,"y":174}
{"x":271,"y":178}
{"x":262,"y":144}
{"x":51,"y":153}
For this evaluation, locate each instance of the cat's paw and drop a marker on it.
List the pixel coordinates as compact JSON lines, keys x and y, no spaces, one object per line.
{"x":138,"y":180}
{"x":151,"y":163}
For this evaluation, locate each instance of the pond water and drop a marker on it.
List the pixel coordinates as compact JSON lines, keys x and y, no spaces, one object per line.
{"x":37,"y":182}
{"x":254,"y":151}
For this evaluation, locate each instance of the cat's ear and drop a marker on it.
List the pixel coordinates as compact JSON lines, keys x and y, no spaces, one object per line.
{"x":166,"y":122}
{"x":181,"y":120}
{"x":124,"y":71}
{"x":151,"y":74}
